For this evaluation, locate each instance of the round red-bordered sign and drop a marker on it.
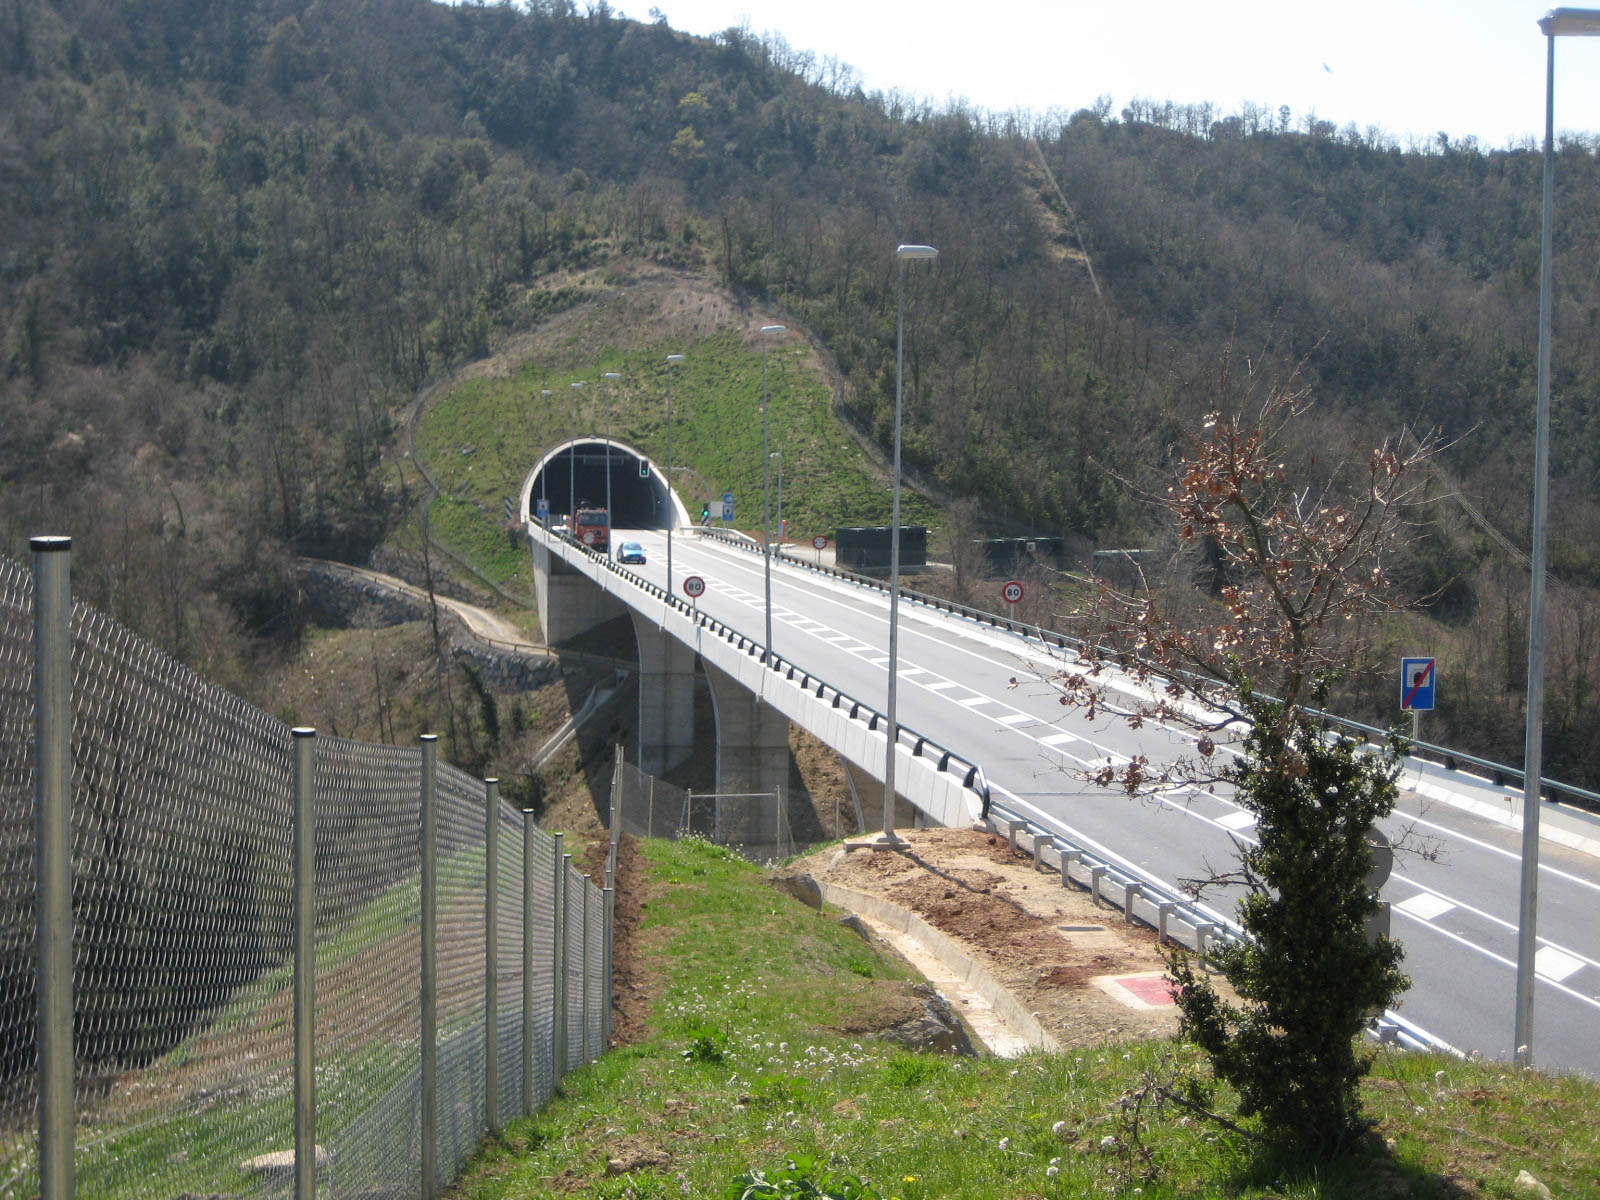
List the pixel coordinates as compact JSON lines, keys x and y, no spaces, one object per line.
{"x":694,"y":587}
{"x":1011,"y":592}
{"x":819,"y":542}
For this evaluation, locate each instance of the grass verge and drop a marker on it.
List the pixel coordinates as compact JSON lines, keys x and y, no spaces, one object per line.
{"x":759,"y":1052}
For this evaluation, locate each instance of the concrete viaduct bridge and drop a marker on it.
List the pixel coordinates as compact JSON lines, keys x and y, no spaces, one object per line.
{"x":752,"y":702}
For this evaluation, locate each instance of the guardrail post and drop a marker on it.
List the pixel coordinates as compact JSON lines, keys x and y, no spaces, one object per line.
{"x":52,"y":649}
{"x":527,"y":962}
{"x":430,"y":969}
{"x":491,"y":953}
{"x":1038,"y":852}
{"x":305,"y":912}
{"x":559,"y":959}
{"x":1164,"y":913}
{"x":1133,"y":892}
{"x":1068,"y":857}
{"x":1012,"y":829}
{"x":1095,"y":875}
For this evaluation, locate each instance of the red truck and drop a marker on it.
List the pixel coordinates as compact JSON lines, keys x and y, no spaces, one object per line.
{"x":592,"y":527}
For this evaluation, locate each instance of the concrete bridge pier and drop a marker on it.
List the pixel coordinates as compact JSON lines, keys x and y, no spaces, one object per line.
{"x":666,"y":697}
{"x":569,"y":602}
{"x":752,"y":737}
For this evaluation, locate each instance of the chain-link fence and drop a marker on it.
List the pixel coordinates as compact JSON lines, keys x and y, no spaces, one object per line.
{"x":182,"y":941}
{"x":754,"y":825}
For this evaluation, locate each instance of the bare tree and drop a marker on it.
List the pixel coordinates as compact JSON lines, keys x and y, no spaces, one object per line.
{"x":1295,"y":567}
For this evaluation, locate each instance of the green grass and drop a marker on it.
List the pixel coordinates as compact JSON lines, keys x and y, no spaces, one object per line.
{"x":481,"y":438}
{"x":750,"y":1062}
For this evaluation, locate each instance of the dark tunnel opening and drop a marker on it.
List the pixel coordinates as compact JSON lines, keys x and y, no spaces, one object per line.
{"x":578,"y":475}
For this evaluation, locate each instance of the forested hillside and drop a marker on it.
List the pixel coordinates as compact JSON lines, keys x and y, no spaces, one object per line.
{"x":239,"y":236}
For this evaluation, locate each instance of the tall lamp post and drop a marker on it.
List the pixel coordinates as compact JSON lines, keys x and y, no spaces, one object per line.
{"x":778,"y":454}
{"x":611,"y":378}
{"x":543,"y":491}
{"x":572,"y":473}
{"x":1558,"y":22}
{"x":902,"y":255}
{"x":672,"y":515}
{"x":766,"y":490}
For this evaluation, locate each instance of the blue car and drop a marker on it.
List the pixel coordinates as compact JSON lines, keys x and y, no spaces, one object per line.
{"x":630,"y":552}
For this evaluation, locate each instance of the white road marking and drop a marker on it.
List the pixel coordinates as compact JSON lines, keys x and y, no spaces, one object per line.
{"x":1555,"y":964}
{"x":1425,"y":906}
{"x":943,"y":687}
{"x":1016,"y":718}
{"x":975,"y":701}
{"x":1059,"y":739}
{"x":1236,"y":820}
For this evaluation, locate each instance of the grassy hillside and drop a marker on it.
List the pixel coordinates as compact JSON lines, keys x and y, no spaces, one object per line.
{"x":480,"y":436}
{"x":758,"y":1050}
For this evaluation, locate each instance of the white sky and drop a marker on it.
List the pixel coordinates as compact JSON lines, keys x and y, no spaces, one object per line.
{"x":1413,"y":67}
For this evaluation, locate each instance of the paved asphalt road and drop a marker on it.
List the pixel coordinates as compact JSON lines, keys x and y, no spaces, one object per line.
{"x":982,"y":693}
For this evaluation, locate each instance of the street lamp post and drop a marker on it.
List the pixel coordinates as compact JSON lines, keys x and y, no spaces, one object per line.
{"x":544,"y":493}
{"x":1558,"y":22}
{"x":902,"y":255}
{"x":572,"y":464}
{"x":766,"y":491}
{"x":672,"y":515}
{"x":611,"y":378}
{"x":778,"y":454}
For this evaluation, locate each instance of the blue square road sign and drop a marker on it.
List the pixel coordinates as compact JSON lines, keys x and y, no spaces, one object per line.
{"x":1418,"y":677}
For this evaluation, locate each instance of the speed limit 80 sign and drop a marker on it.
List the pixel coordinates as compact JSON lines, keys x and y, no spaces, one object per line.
{"x":694,"y":587}
{"x":1011,"y":592}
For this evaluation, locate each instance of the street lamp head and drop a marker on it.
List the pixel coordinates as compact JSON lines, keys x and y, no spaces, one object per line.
{"x":1571,"y":22}
{"x":673,"y":359}
{"x":772,"y":329}
{"x":904,"y":252}
{"x":613,"y":375}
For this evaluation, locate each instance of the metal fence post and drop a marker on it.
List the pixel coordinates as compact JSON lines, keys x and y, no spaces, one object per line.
{"x":491,"y":953}
{"x":430,"y":969}
{"x":610,"y":961}
{"x":305,"y":959}
{"x":616,"y":817}
{"x":527,"y":962}
{"x":583,"y":967}
{"x":559,"y":960}
{"x":52,"y":648}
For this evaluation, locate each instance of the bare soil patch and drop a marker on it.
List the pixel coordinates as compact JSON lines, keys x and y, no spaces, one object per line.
{"x":1047,"y":944}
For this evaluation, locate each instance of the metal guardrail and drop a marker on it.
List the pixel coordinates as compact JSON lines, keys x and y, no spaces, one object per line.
{"x":1498,"y":773}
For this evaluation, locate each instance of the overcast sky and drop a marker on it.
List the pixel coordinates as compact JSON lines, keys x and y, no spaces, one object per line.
{"x":1413,"y":67}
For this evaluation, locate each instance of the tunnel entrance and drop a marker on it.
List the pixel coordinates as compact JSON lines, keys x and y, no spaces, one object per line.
{"x":576,"y":475}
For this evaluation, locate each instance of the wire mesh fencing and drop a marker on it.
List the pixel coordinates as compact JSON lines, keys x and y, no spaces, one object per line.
{"x":182,"y":941}
{"x":754,"y":825}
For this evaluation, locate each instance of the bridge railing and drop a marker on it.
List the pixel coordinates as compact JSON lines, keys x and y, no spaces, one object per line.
{"x":1498,"y":774}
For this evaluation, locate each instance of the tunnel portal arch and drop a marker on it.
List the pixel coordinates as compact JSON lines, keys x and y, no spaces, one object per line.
{"x":574,"y":472}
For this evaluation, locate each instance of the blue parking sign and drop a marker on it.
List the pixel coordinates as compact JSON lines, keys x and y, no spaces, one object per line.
{"x":1417,"y":679}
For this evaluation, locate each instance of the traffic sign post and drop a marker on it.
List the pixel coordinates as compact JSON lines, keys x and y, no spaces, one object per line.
{"x":1418,"y":680}
{"x":694,"y":587}
{"x":819,"y":544}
